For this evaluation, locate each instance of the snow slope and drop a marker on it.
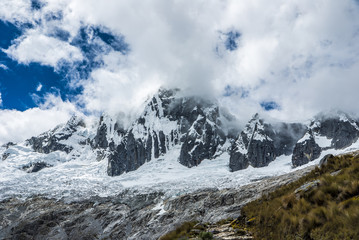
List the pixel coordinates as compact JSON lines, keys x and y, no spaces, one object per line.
{"x":81,"y":173}
{"x":84,"y":176}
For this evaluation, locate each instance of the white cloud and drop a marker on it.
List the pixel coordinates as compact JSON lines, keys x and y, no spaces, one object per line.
{"x":35,"y":47}
{"x":14,"y":11}
{"x":18,"y":126}
{"x":298,"y":53}
{"x":4,"y":67}
{"x":39,"y":87}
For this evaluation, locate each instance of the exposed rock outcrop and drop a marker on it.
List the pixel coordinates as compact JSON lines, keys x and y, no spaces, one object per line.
{"x":327,"y":131}
{"x":306,"y":150}
{"x":342,"y":129}
{"x":129,"y":155}
{"x":54,"y":140}
{"x":35,"y":167}
{"x":203,"y":138}
{"x":198,"y":127}
{"x":260,"y":143}
{"x":169,"y":120}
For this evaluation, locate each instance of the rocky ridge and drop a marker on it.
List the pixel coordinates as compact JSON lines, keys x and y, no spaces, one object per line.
{"x":330,"y":131}
{"x":56,"y":139}
{"x":194,"y":126}
{"x":260,"y":143}
{"x":168,"y":120}
{"x":198,"y":126}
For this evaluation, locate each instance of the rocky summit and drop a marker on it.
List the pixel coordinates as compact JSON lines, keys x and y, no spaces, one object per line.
{"x":331,"y":131}
{"x":193,"y":123}
{"x":260,"y":143}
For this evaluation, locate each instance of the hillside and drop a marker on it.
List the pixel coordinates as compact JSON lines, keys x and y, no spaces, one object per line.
{"x":321,"y":205}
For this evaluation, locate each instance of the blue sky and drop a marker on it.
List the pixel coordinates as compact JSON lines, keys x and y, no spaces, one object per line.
{"x":18,"y":82}
{"x":283,"y":59}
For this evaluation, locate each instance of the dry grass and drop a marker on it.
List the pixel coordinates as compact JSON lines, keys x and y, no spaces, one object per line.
{"x":327,"y":211}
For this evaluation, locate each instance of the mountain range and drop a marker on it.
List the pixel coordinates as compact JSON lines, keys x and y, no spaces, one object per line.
{"x":201,"y":129}
{"x":184,"y":158}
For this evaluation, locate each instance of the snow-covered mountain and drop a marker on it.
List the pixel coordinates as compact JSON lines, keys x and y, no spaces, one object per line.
{"x":260,"y":143}
{"x":167,"y":121}
{"x":177,"y":140}
{"x":326,"y":131}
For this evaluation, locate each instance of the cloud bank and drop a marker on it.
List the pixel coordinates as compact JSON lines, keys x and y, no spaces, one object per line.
{"x":17,"y":126}
{"x":298,"y":56}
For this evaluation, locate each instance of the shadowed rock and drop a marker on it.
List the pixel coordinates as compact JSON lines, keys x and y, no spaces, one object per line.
{"x":260,"y":143}
{"x":305,"y":151}
{"x":35,"y":167}
{"x":51,"y":141}
{"x":168,"y":120}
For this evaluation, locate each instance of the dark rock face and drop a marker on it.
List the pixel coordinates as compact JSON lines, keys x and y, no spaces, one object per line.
{"x":51,"y":144}
{"x":100,"y":140}
{"x":35,"y":167}
{"x":305,"y":151}
{"x":237,"y":160}
{"x":259,"y":143}
{"x":168,"y":120}
{"x":285,"y":136}
{"x":342,"y":133}
{"x":202,"y":140}
{"x":5,"y":156}
{"x":340,"y":129}
{"x":128,"y":156}
{"x":9,"y":144}
{"x":50,"y":141}
{"x":252,"y":147}
{"x":261,"y":153}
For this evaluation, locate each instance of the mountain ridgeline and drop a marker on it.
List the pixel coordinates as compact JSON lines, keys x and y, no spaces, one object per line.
{"x":192,"y":123}
{"x":199,"y":128}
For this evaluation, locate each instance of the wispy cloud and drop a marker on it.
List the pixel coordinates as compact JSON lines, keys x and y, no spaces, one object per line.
{"x":4,"y":67}
{"x":39,"y":87}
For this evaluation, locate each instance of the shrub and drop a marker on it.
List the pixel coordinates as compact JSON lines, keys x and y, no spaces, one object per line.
{"x":181,"y":232}
{"x":206,"y":236}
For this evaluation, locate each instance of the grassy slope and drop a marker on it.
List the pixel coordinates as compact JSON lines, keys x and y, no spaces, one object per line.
{"x":327,"y":210}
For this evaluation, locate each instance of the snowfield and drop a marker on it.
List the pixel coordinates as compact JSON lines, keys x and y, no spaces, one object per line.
{"x":79,"y":175}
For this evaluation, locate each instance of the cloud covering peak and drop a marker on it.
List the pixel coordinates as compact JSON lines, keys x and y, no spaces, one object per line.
{"x":298,"y":56}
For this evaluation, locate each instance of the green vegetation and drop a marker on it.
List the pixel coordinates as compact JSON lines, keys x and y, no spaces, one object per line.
{"x":205,"y":236}
{"x":182,"y":232}
{"x":321,"y":205}
{"x":189,"y":230}
{"x":204,"y":231}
